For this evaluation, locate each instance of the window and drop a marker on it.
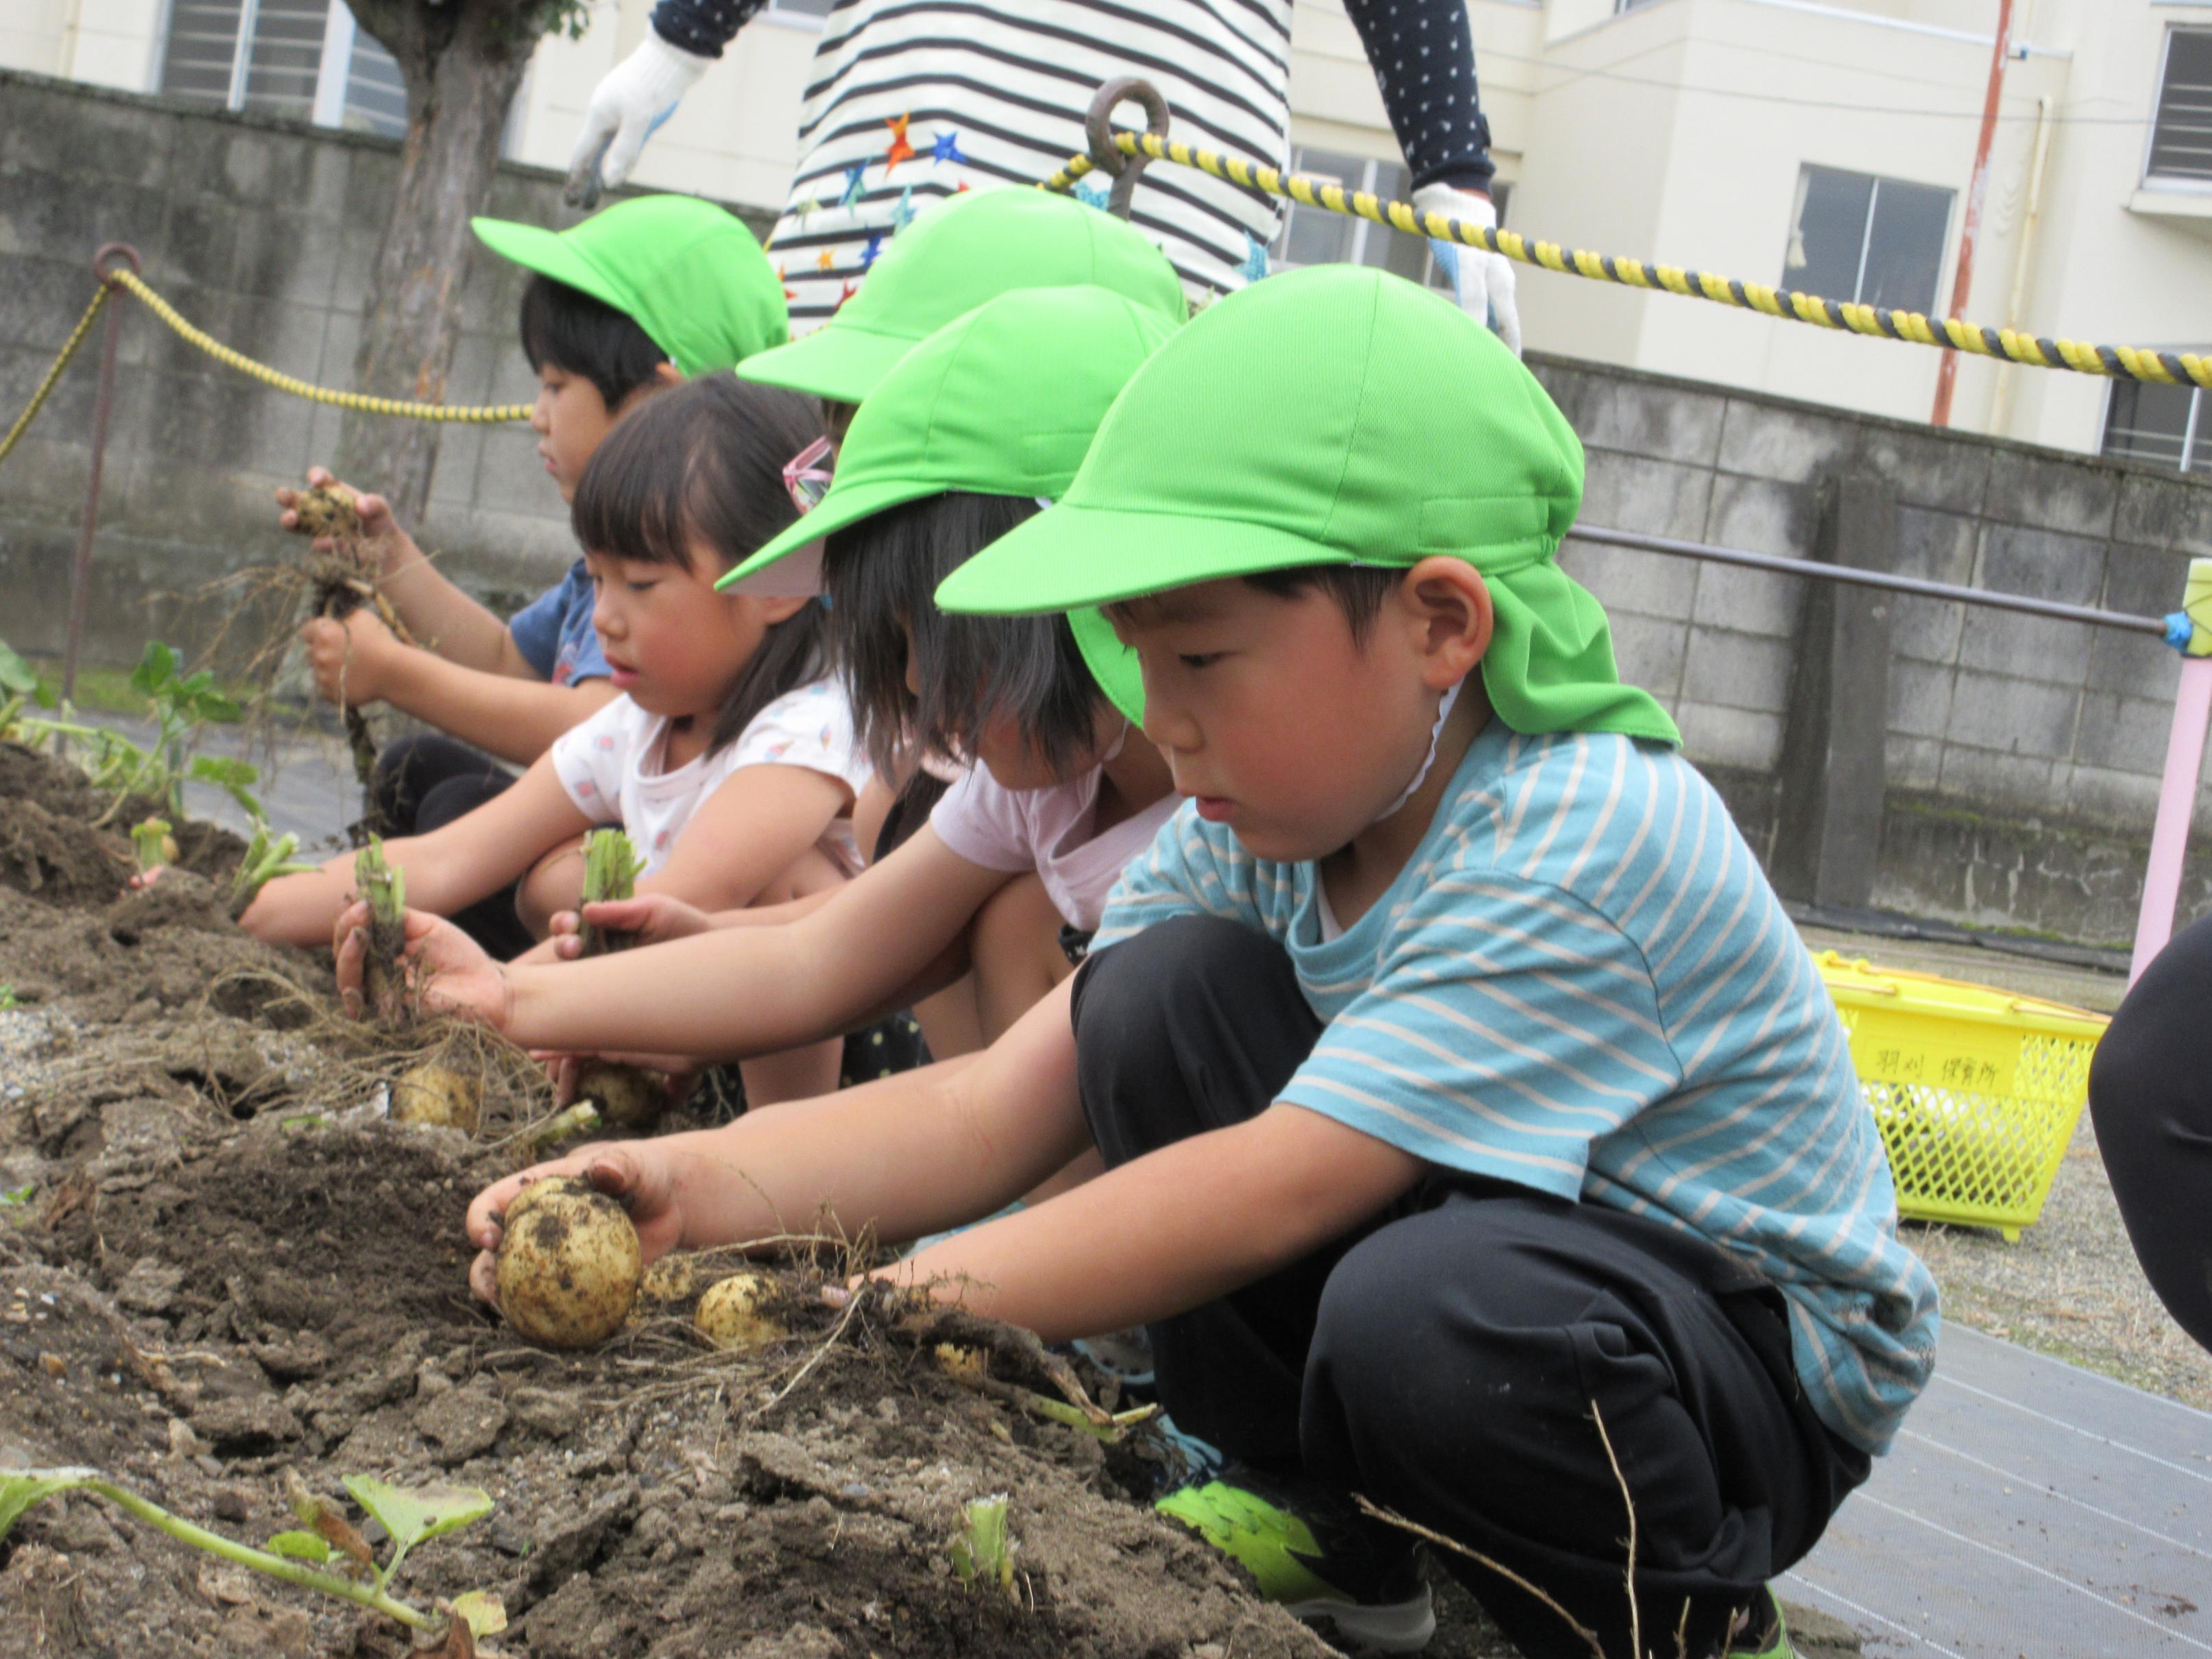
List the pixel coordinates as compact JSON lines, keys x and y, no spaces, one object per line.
{"x":1315,"y":236}
{"x":1879,"y":241}
{"x":2165,"y":425}
{"x":2181,"y":131}
{"x":303,"y":58}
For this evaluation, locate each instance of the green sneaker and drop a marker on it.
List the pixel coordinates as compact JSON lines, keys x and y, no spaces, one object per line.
{"x":1314,"y":1554}
{"x":1767,"y":1636}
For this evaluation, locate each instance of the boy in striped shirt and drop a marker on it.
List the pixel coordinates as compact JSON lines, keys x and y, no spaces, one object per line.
{"x":1474,"y":1123}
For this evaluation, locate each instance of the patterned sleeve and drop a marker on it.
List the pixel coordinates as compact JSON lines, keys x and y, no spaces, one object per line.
{"x":1182,"y":874}
{"x":703,"y":28}
{"x":1422,"y":56}
{"x":1508,"y":1027}
{"x":588,"y":758}
{"x":811,"y":727}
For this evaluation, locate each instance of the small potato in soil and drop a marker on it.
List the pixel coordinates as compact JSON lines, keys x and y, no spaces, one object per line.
{"x":734,"y":1313}
{"x":328,"y":511}
{"x":568,"y":1264}
{"x":628,"y":1097}
{"x":437,"y":1094}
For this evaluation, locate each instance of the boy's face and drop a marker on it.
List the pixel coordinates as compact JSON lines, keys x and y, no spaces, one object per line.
{"x":1280,"y":723}
{"x":572,"y":419}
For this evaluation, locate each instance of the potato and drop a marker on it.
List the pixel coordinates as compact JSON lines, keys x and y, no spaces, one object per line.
{"x":672,"y":1278}
{"x":568,"y":1264}
{"x":732,"y":1313}
{"x":627,"y":1097}
{"x":329,"y":511}
{"x":437,"y":1094}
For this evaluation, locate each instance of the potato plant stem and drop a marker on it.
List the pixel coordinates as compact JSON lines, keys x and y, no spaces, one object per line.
{"x":276,"y":1566}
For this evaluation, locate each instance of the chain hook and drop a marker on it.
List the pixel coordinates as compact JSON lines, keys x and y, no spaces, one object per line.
{"x":122,"y":251}
{"x":1099,"y":128}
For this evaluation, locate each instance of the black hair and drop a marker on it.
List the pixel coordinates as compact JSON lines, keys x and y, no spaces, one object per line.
{"x":704,"y":463}
{"x":1357,"y":589}
{"x":578,"y":335}
{"x":882,"y":575}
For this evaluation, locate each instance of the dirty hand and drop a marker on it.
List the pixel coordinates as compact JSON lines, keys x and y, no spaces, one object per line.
{"x":638,"y":1173}
{"x":1484,"y":281}
{"x":452,"y":972}
{"x":653,"y":918}
{"x":376,"y":524}
{"x":634,"y":98}
{"x":564,"y":1069}
{"x":351,"y":659}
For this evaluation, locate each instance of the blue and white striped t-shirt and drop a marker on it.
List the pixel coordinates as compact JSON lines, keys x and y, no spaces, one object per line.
{"x":1581,"y":982}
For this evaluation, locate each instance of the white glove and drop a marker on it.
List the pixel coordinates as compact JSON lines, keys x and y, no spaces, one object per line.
{"x":1484,"y":281}
{"x":636,"y":95}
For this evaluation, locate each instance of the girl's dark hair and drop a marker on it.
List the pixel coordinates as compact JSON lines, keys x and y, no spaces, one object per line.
{"x":882,"y":575}
{"x":704,"y":463}
{"x":578,"y":335}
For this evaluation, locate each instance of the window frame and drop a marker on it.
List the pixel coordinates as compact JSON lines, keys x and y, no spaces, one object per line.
{"x":2197,"y":428}
{"x":326,"y":106}
{"x":1432,"y":278}
{"x":1875,"y":180}
{"x":2179,"y":184}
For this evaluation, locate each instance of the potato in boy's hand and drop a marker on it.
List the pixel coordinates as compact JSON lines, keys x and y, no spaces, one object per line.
{"x":372,"y":513}
{"x":635,"y":1173}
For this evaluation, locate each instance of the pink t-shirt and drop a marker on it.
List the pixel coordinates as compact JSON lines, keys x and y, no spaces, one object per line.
{"x":1047,"y":830}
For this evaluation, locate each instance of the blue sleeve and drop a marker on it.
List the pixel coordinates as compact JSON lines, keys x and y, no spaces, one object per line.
{"x":1181,"y":874}
{"x":537,"y":627}
{"x":1422,"y":56}
{"x":703,"y":28}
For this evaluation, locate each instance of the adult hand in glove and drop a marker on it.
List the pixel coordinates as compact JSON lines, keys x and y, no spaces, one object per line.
{"x":627,"y":106}
{"x":1484,"y":281}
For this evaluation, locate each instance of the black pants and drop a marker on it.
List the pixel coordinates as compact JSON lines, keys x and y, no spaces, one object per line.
{"x":423,"y":783}
{"x":2150,"y":1095}
{"x":1443,"y":1359}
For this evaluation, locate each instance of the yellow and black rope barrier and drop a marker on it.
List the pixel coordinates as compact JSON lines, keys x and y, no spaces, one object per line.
{"x":54,"y":371}
{"x":490,"y":414}
{"x":2124,"y":362}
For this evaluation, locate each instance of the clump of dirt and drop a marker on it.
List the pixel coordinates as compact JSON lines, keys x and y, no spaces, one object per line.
{"x":54,"y":846}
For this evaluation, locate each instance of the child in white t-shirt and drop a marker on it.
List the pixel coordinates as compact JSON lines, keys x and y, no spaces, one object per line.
{"x":953,"y":448}
{"x":729,"y":754}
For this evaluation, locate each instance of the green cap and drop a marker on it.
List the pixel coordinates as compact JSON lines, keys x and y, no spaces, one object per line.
{"x":957,"y":254}
{"x":1002,"y":401}
{"x":1335,"y":415}
{"x":687,"y":272}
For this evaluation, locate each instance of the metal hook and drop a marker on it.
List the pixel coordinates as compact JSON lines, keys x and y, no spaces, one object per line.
{"x":1099,"y":128}
{"x":122,"y":251}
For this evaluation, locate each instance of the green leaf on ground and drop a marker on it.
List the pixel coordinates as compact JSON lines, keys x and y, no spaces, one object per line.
{"x":411,"y":1514}
{"x":299,"y":1546}
{"x":21,"y":1488}
{"x":486,"y":1613}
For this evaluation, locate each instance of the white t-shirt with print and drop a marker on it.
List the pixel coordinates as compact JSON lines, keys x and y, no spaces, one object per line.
{"x":612,"y":765}
{"x":1047,"y":830}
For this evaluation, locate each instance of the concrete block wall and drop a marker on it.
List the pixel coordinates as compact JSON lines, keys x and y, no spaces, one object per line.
{"x":2022,"y":757}
{"x":261,"y":233}
{"x":1992,"y":719}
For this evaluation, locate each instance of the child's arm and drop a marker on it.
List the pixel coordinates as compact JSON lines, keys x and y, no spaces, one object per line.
{"x":515,"y":718}
{"x":749,"y":831}
{"x":448,"y":868}
{"x":890,"y":935}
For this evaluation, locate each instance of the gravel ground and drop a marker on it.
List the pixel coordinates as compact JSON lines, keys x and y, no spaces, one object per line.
{"x":2069,"y":1287}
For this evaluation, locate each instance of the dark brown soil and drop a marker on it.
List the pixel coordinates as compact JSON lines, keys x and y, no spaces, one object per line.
{"x":225,"y":1265}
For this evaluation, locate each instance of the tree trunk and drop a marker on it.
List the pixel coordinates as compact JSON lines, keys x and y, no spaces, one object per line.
{"x":462,"y":61}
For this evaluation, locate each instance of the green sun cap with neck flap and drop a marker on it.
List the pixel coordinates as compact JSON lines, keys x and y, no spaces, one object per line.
{"x":686,"y":272}
{"x":1335,"y":415}
{"x":954,"y":256}
{"x":1002,"y":401}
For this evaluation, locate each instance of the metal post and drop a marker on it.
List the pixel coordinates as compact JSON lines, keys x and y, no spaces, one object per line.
{"x":1978,"y":188}
{"x":103,"y":402}
{"x":2177,"y":789}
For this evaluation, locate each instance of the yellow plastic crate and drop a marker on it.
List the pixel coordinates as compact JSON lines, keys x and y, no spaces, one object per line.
{"x":1976,"y":1092}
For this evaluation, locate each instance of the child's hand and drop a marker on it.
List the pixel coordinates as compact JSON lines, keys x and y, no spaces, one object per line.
{"x":562,"y":1069}
{"x":376,"y":524}
{"x":452,"y":972}
{"x":351,"y":659}
{"x":634,"y":1171}
{"x":654,"y":918}
{"x":144,"y":879}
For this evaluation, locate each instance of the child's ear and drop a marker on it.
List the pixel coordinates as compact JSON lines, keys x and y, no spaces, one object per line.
{"x":666,"y":375}
{"x":1448,"y":606}
{"x":780,"y":608}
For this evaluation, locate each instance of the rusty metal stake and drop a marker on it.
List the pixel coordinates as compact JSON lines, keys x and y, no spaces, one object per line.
{"x":103,"y":403}
{"x":1099,"y":128}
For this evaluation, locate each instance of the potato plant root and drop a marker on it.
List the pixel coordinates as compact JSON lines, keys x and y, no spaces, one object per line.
{"x":228,"y":1266}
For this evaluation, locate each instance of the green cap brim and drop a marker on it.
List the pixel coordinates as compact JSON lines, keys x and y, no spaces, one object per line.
{"x":1078,"y":555}
{"x":536,"y":248}
{"x":840,"y":364}
{"x":834,"y":511}
{"x":1112,"y":664}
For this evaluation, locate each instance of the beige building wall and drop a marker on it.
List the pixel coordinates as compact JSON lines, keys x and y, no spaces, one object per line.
{"x":1675,"y":131}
